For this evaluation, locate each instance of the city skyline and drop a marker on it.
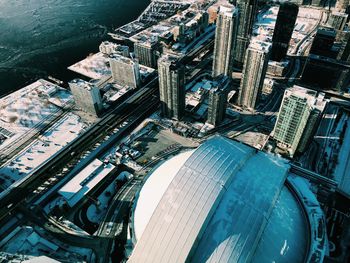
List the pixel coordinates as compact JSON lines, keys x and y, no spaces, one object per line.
{"x":196,"y":131}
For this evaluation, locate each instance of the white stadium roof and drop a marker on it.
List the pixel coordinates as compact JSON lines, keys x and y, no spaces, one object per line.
{"x":224,"y":202}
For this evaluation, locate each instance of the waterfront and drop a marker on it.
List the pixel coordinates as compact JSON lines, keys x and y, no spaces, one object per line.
{"x":42,"y":37}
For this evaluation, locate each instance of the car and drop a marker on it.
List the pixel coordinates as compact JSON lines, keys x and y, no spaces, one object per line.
{"x":109,"y":228}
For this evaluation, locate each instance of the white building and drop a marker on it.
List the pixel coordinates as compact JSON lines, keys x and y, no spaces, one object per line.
{"x":86,"y":96}
{"x":125,"y":71}
{"x":297,"y":118}
{"x":225,"y":40}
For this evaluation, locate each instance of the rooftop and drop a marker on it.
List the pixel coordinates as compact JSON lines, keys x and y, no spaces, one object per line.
{"x":228,"y":10}
{"x":122,"y":59}
{"x":315,"y":99}
{"x":95,"y":66}
{"x":260,"y":45}
{"x":85,"y":181}
{"x":30,"y":109}
{"x":217,"y":204}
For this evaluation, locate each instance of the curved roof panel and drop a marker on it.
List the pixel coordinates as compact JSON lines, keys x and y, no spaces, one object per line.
{"x":216,"y":208}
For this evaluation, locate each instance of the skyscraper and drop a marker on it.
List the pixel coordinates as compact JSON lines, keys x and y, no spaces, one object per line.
{"x":323,"y":41}
{"x":297,"y":118}
{"x":344,"y":52}
{"x":171,"y":86}
{"x":225,"y":40}
{"x":86,"y":95}
{"x":247,"y":11}
{"x":337,"y":20}
{"x":254,"y":71}
{"x":287,"y":15}
{"x":125,"y":71}
{"x":146,"y":52}
{"x":218,"y":99}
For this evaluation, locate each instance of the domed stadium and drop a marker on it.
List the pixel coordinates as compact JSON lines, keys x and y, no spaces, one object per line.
{"x":226,"y":202}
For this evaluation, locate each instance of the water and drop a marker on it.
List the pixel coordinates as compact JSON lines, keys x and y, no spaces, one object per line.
{"x":42,"y":37}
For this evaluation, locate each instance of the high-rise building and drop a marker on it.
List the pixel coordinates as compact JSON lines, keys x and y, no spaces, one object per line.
{"x":337,"y":20}
{"x":225,"y":40}
{"x":344,"y":52}
{"x":218,"y":99}
{"x":297,"y":118}
{"x":247,"y":11}
{"x":254,"y":71}
{"x":86,"y":95}
{"x":323,"y":41}
{"x":171,"y":86}
{"x":147,"y":52}
{"x":287,"y":15}
{"x":125,"y":71}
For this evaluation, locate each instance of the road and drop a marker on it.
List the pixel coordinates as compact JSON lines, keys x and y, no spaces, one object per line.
{"x":146,"y":98}
{"x":17,"y":199}
{"x":117,"y":217}
{"x":20,"y":196}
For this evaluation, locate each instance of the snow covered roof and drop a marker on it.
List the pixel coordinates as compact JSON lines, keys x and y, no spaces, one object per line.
{"x":224,"y":202}
{"x":41,"y":259}
{"x":84,"y":181}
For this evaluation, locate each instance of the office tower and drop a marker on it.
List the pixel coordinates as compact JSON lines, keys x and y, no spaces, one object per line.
{"x":337,"y":20}
{"x":86,"y":95}
{"x":287,"y":15}
{"x":225,"y":40}
{"x":323,"y":41}
{"x":344,"y":52}
{"x":218,"y":99}
{"x":171,"y":86}
{"x":109,"y":48}
{"x":247,"y":11}
{"x":147,"y":52}
{"x":297,"y":118}
{"x":254,"y":71}
{"x":125,"y":71}
{"x":325,"y":73}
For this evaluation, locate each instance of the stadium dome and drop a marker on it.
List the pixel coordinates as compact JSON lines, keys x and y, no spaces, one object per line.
{"x":223,"y":202}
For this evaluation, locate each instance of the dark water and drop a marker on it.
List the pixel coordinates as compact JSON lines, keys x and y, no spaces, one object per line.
{"x":42,"y":37}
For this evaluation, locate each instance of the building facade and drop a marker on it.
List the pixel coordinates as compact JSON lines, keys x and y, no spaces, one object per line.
{"x":171,"y":87}
{"x":218,"y":100}
{"x":86,"y":95}
{"x":125,"y":71}
{"x":254,"y":71}
{"x":225,"y":40}
{"x":297,"y":118}
{"x":287,"y":15}
{"x":337,"y":20}
{"x":247,"y":11}
{"x":344,"y":51}
{"x":147,"y":53}
{"x":323,"y":41}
